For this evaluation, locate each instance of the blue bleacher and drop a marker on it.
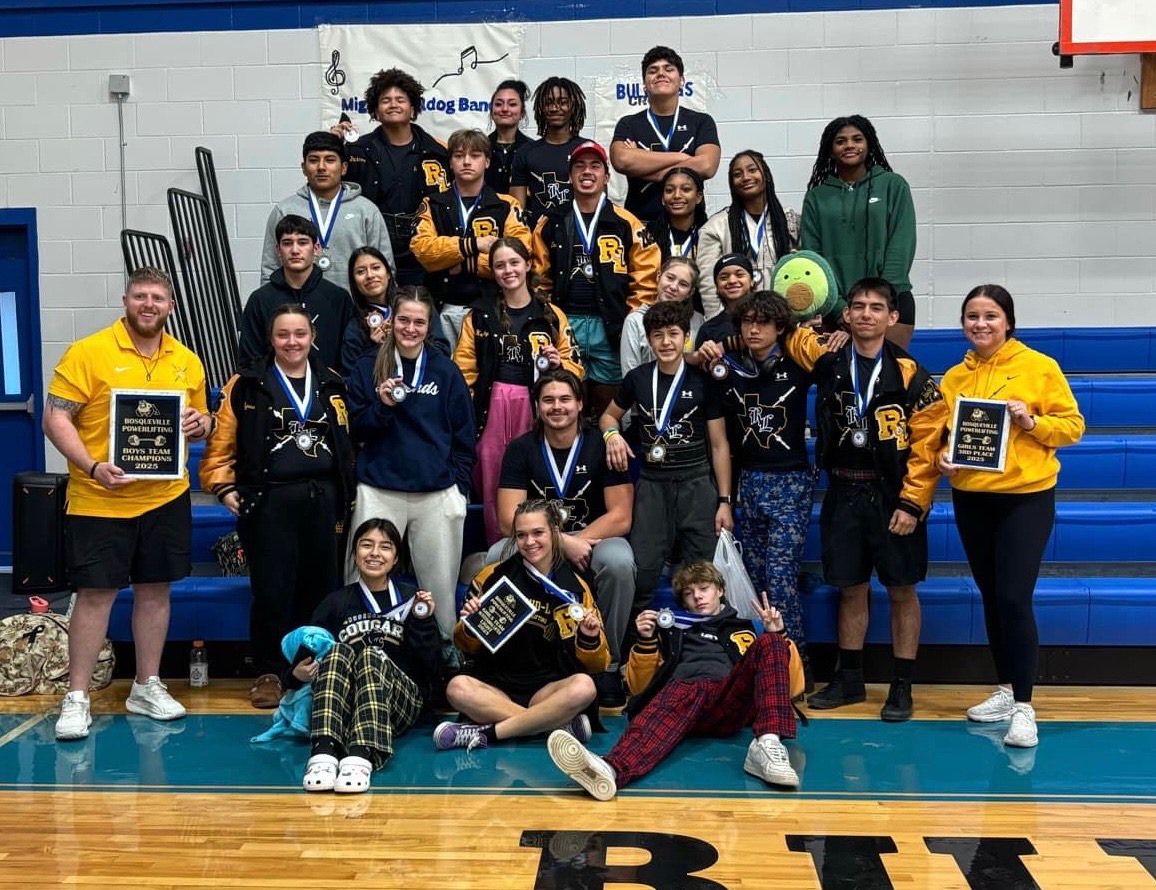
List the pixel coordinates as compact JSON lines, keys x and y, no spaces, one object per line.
{"x":1113,"y":374}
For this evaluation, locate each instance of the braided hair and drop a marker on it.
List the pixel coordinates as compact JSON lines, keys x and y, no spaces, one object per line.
{"x":572,"y":91}
{"x":780,"y":232}
{"x":825,"y":162}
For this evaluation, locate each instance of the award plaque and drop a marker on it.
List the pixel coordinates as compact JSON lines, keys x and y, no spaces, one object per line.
{"x":979,"y":434}
{"x":503,"y":610}
{"x":145,"y":436}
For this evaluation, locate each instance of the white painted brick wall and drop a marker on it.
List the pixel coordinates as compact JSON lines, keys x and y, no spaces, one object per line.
{"x":1023,"y":174}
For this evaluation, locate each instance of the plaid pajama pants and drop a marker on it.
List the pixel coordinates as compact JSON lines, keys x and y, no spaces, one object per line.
{"x":360,"y":697}
{"x":757,"y":691}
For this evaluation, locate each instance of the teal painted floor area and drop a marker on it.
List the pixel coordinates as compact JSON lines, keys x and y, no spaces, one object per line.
{"x":919,"y":760}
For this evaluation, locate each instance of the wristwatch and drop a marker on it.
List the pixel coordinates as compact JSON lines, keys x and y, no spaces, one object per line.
{"x":725,"y":499}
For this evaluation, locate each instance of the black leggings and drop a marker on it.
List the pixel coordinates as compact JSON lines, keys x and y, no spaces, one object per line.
{"x":1004,"y":536}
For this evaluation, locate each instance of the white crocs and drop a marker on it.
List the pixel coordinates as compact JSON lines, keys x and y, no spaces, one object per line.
{"x":353,"y":775}
{"x":320,"y":773}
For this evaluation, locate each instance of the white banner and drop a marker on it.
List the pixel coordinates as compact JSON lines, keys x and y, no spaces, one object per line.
{"x":617,"y":96}
{"x":460,"y":66}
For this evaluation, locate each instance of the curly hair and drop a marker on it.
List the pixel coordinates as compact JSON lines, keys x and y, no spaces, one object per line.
{"x":825,"y":162}
{"x":765,"y":306}
{"x":572,"y":92}
{"x":388,"y":79}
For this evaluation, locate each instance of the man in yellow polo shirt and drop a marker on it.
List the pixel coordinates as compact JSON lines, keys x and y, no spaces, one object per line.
{"x":123,"y":530}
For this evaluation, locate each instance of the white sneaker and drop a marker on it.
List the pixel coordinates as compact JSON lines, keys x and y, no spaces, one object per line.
{"x":1022,"y":733}
{"x":584,"y":767}
{"x":996,"y":707}
{"x":74,"y":717}
{"x":152,"y":699}
{"x":767,"y":759}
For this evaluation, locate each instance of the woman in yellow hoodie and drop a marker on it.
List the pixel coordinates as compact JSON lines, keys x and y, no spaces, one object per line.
{"x":1004,"y":519}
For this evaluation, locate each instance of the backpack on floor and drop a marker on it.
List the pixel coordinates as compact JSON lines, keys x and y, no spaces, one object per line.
{"x":34,"y":656}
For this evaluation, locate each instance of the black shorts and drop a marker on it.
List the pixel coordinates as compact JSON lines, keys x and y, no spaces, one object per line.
{"x":905,"y":303}
{"x":153,"y":548}
{"x":853,"y":530}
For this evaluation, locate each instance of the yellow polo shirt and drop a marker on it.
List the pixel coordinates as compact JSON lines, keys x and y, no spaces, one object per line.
{"x":88,"y":372}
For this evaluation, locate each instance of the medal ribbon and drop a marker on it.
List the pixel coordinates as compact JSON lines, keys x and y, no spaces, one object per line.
{"x":760,"y":233}
{"x":565,"y":595}
{"x":384,"y":311}
{"x":397,"y":611}
{"x":662,"y":418}
{"x":587,"y":234}
{"x":686,"y":247}
{"x":665,"y":140}
{"x":861,"y":400}
{"x":686,"y":620}
{"x":418,"y":369}
{"x":563,"y":478}
{"x":301,"y":407}
{"x":463,"y":214}
{"x":325,"y":227}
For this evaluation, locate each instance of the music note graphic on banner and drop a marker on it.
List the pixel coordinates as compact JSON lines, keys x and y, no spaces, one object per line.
{"x":334,"y":76}
{"x":469,"y":56}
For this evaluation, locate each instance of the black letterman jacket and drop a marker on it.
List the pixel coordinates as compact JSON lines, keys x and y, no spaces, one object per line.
{"x":236,"y":453}
{"x":625,"y":269}
{"x":429,"y":160}
{"x":478,"y":352}
{"x":908,"y":416}
{"x":439,"y":243}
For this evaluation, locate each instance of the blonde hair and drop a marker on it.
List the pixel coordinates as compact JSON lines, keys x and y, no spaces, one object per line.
{"x":553,"y":515}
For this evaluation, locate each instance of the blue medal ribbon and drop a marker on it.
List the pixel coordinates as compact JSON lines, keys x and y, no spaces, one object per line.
{"x":463,"y":214}
{"x":325,"y":227}
{"x":862,"y":400}
{"x":418,"y":369}
{"x":760,"y":233}
{"x":398,"y":611}
{"x":301,"y":407}
{"x":561,"y":479}
{"x":687,"y":620}
{"x":586,"y":234}
{"x":565,"y":595}
{"x":686,"y":247}
{"x":664,"y":139}
{"x":662,"y":417}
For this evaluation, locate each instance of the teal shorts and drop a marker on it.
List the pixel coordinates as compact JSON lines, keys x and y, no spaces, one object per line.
{"x":601,"y":361}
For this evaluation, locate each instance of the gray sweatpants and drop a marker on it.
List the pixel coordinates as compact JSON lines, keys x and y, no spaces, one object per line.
{"x":671,"y":509}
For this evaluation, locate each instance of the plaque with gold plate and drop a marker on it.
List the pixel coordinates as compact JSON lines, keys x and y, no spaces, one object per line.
{"x":979,"y":434}
{"x":145,"y":435}
{"x":502,"y":611}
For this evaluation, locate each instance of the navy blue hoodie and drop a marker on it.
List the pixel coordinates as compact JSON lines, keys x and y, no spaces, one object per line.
{"x":424,"y":444}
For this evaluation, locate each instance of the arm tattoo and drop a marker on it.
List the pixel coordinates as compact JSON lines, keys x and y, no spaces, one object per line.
{"x":65,"y":405}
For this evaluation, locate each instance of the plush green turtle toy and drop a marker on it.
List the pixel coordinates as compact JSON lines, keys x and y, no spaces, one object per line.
{"x":807,"y":282}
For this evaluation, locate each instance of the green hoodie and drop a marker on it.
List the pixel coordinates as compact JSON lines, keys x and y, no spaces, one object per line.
{"x":866,"y":229}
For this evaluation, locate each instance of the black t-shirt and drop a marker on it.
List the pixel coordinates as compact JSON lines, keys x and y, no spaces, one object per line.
{"x":297,"y":450}
{"x":544,"y":169}
{"x":524,"y":469}
{"x":767,"y":414}
{"x":399,"y":189}
{"x":856,"y":444}
{"x":502,"y":162}
{"x":694,"y":129}
{"x":514,"y":355}
{"x":717,"y":328}
{"x":580,"y":297}
{"x":685,"y":439}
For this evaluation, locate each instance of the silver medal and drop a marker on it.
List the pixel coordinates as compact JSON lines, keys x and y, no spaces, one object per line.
{"x":859,"y":438}
{"x":665,"y":619}
{"x":323,"y":263}
{"x":421,"y":609}
{"x":657,"y":453}
{"x":576,"y":611}
{"x":399,"y":392}
{"x":564,"y":513}
{"x":719,"y":371}
{"x":304,"y":441}
{"x":588,"y":270}
{"x":542,"y":363}
{"x":374,"y":319}
{"x":351,"y":135}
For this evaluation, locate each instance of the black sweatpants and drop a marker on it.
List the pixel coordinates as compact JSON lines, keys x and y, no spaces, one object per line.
{"x":1004,"y":536}
{"x":291,"y":546}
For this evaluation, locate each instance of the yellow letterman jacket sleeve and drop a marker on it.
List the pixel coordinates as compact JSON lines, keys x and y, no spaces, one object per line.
{"x":926,"y":422}
{"x":804,"y":348}
{"x":434,"y":251}
{"x":645,"y":258}
{"x":541,"y":253}
{"x":465,"y":354}
{"x":642,"y":664}
{"x":593,"y":655}
{"x":216,"y":471}
{"x":566,"y":343}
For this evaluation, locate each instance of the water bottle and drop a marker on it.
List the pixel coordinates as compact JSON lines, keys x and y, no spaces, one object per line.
{"x":198,"y":665}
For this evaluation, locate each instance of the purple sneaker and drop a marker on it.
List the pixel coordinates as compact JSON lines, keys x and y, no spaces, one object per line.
{"x":459,"y":735}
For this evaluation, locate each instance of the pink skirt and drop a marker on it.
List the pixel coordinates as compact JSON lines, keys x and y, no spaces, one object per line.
{"x":510,"y":416}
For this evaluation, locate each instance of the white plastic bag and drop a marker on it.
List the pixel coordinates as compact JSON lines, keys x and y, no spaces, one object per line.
{"x":728,"y":559}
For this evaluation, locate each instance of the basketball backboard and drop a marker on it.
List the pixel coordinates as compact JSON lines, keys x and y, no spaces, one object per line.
{"x":1107,"y":26}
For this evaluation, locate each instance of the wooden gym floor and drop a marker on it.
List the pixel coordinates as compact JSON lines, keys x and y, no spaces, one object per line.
{"x":934,"y":803}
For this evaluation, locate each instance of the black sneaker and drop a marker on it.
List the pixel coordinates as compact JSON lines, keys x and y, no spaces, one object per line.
{"x":898,"y":706}
{"x":845,"y":688}
{"x":610,"y":691}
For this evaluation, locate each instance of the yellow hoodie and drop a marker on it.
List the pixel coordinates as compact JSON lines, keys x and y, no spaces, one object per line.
{"x":1017,"y":372}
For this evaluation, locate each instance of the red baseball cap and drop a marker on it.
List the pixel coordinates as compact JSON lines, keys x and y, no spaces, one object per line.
{"x":590,"y":148}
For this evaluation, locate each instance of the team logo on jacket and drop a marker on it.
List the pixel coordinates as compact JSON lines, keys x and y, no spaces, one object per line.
{"x":891,"y":423}
{"x":743,"y":640}
{"x":435,"y":174}
{"x":339,"y":409}
{"x":611,"y":251}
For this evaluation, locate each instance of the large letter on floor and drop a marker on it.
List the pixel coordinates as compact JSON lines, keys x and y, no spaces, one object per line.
{"x":569,"y":855}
